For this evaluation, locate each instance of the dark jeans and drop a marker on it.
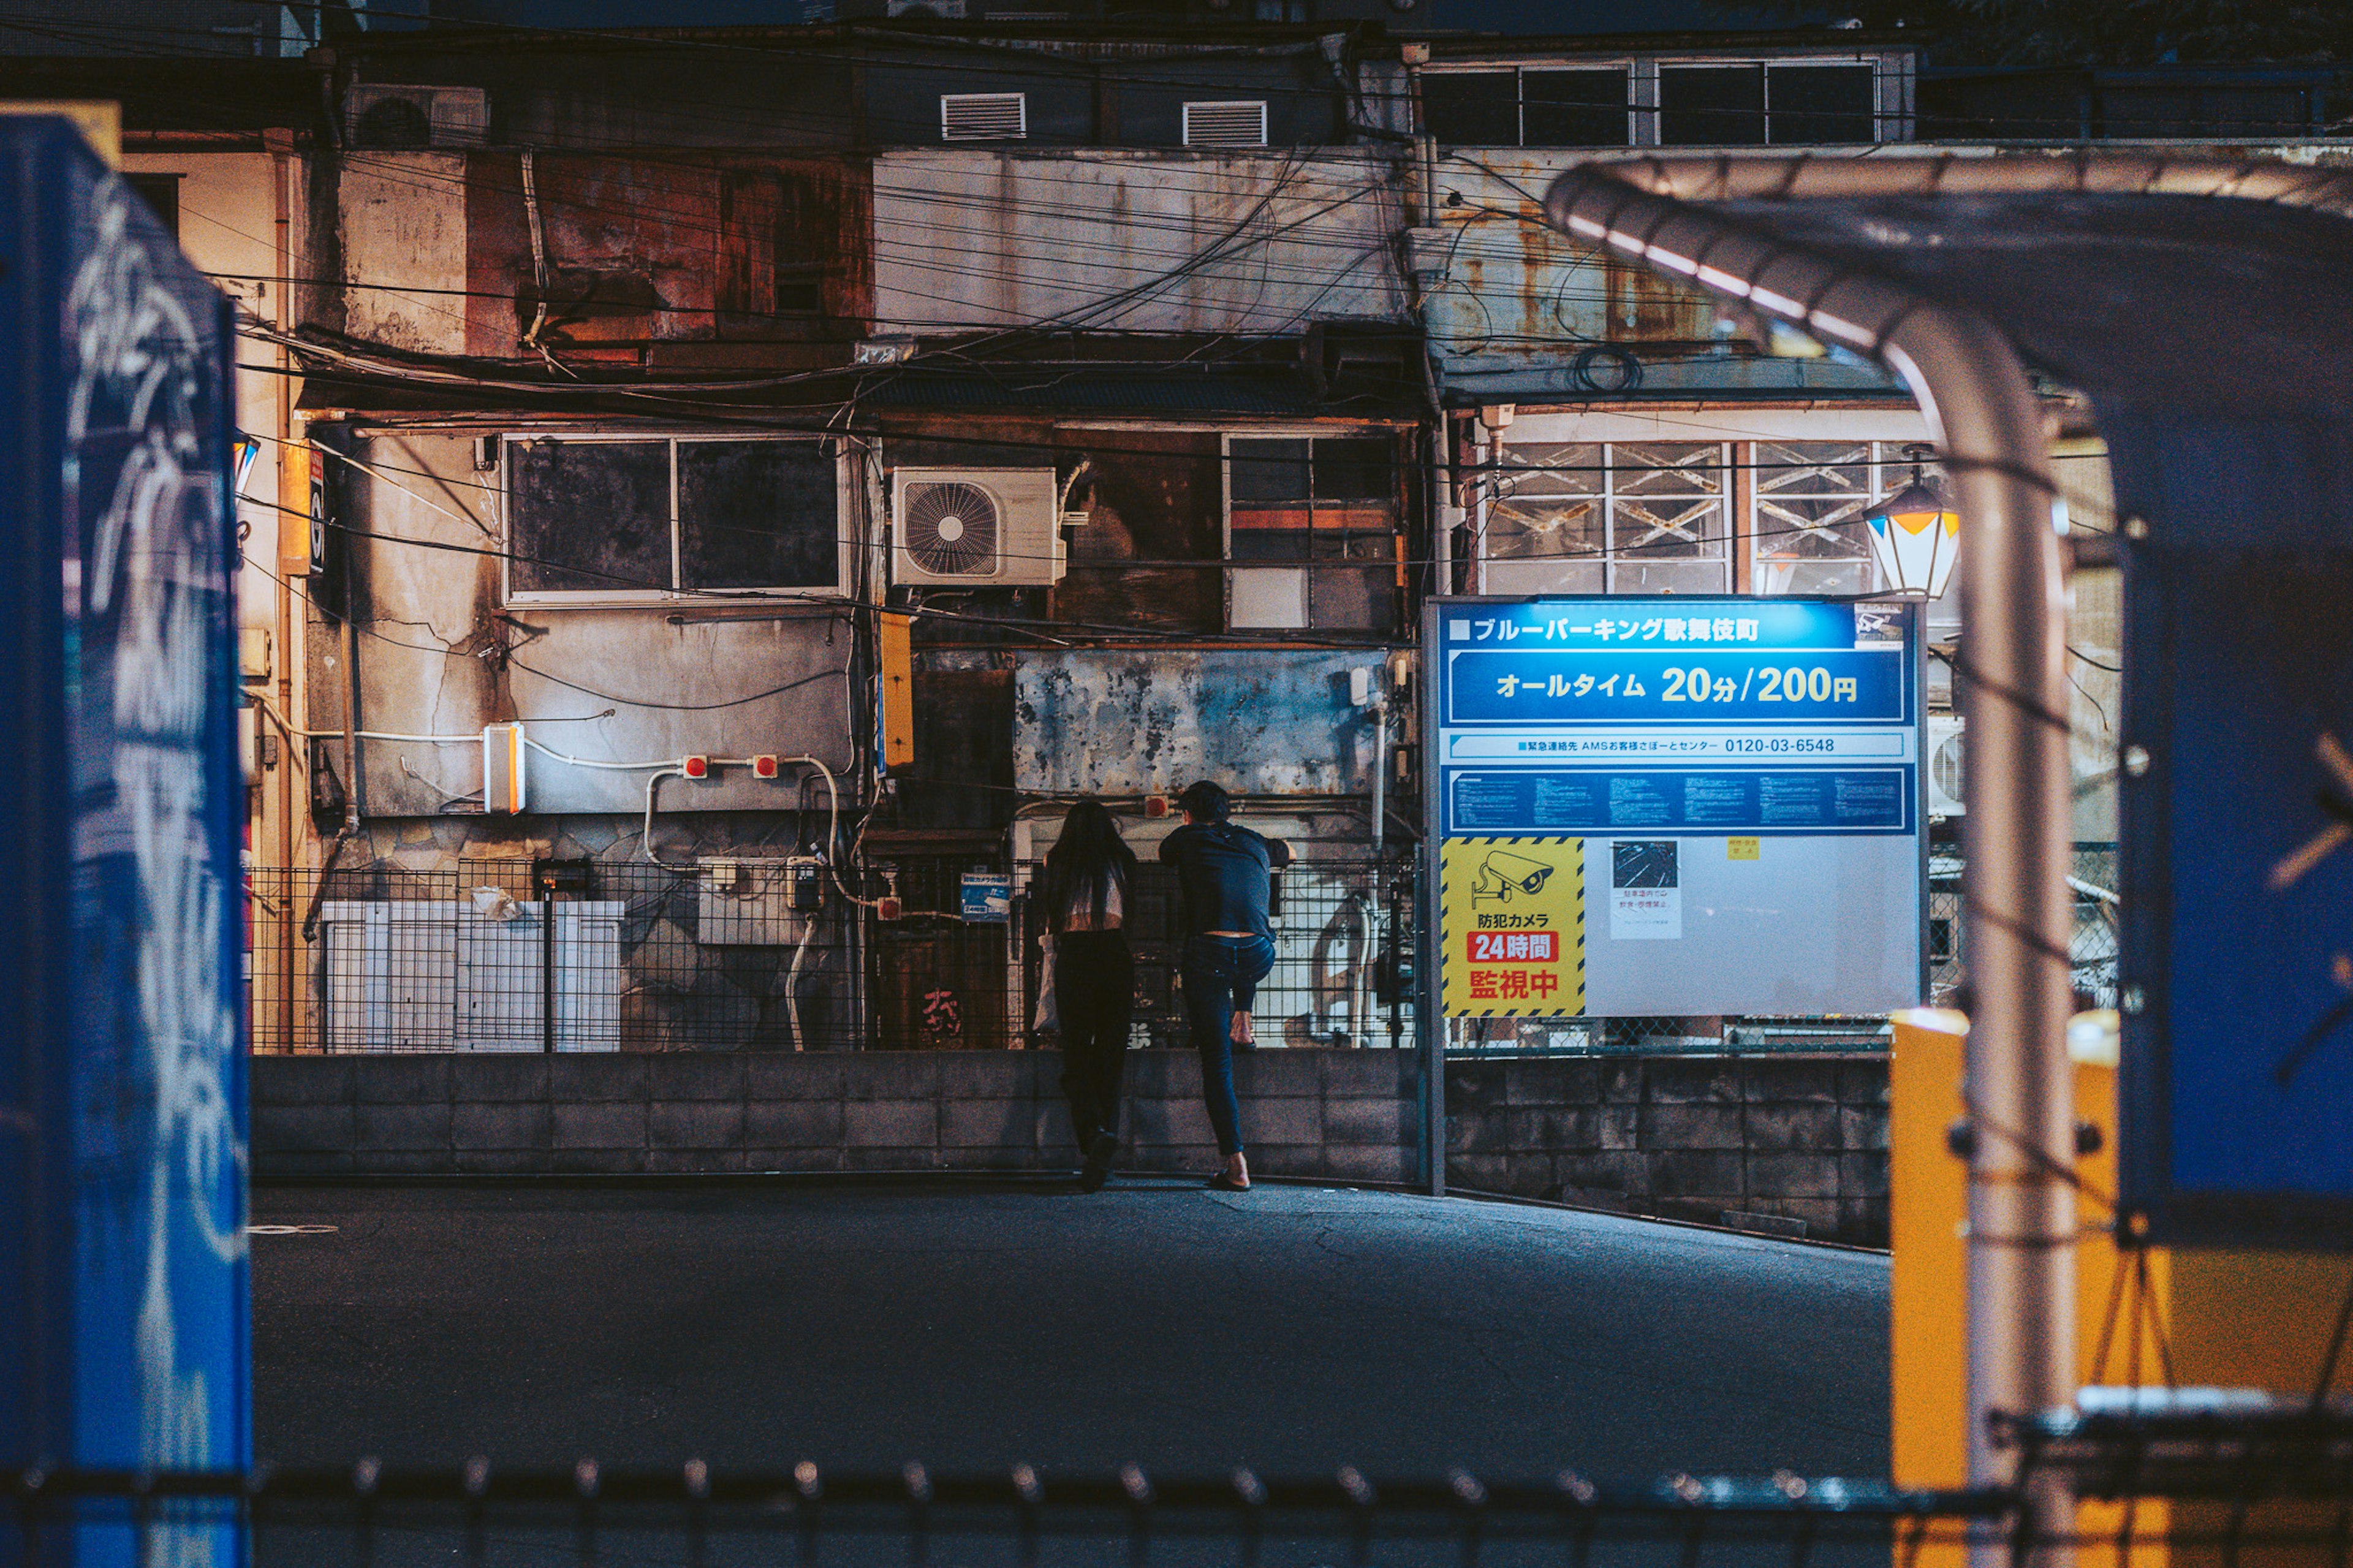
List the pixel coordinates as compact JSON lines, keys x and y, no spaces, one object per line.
{"x":1094,"y":998}
{"x":1221,"y":976}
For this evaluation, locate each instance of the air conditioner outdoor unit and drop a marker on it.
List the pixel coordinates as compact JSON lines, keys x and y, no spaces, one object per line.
{"x":392,"y":117}
{"x":1942,"y":765}
{"x":426,"y":974}
{"x":975,"y":528}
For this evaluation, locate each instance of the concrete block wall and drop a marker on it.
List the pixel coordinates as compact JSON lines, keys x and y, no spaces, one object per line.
{"x":1686,"y":1137}
{"x":1345,"y":1115}
{"x":1801,"y":1138}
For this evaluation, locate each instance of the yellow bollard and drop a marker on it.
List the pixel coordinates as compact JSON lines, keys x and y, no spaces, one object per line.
{"x":1928,"y":1274}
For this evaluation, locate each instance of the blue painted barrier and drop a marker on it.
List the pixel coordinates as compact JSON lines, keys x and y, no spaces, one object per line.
{"x":123,"y":1309}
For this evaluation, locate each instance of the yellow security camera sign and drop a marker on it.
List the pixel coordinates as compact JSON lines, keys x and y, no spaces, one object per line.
{"x":1511,"y":926}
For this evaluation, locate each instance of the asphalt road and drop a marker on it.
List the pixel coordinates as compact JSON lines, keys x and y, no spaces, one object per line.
{"x":1291,"y":1329}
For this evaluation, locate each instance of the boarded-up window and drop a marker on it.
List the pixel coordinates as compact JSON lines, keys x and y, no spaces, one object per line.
{"x":626,"y":519}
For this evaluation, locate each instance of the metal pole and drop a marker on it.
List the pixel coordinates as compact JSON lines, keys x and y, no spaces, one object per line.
{"x":2015,"y":838}
{"x":1983,"y":414}
{"x":1428,"y":1022}
{"x":547,"y":965}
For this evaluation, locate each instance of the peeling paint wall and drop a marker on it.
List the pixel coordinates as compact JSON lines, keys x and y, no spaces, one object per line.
{"x":1092,"y":236}
{"x":403,"y":235}
{"x":649,"y":250}
{"x":1122,"y":721}
{"x":433,"y":664}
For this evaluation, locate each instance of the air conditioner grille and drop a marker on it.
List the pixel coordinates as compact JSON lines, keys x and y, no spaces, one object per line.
{"x":951,"y":529}
{"x":984,"y":116}
{"x":394,"y":118}
{"x":1232,"y":124}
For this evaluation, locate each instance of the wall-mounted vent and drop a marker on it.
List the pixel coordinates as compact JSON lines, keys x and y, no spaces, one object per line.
{"x":395,"y":119}
{"x":984,"y":116}
{"x":1239,"y":123}
{"x":975,"y":528}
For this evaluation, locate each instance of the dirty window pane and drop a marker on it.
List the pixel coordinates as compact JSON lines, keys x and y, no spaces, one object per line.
{"x":589,"y":517}
{"x":1270,"y":471}
{"x":757,"y":514}
{"x":1355,"y":469}
{"x":1472,"y":109}
{"x":1819,"y":104}
{"x":1809,"y":500}
{"x":1343,"y":598}
{"x":1667,"y":499}
{"x":1272,"y":491}
{"x":1711,"y":106}
{"x":1574,"y":109}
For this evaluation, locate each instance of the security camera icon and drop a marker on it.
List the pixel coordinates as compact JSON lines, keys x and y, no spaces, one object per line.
{"x":1502,"y":875}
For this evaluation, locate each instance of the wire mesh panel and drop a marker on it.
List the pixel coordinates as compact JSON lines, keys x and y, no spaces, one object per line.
{"x":738,"y":953}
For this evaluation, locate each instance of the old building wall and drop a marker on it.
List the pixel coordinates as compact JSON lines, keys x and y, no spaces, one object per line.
{"x":670,"y":249}
{"x":1134,"y":241}
{"x":445,"y":655}
{"x":401,"y":244}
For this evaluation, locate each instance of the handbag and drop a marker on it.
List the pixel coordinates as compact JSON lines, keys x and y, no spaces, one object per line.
{"x":1048,"y":1016}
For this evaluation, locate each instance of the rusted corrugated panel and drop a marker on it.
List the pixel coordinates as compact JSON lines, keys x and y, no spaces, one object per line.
{"x":640,"y":250}
{"x":1261,"y":721}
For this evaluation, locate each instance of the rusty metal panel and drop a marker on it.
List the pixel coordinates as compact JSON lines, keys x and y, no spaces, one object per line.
{"x":1258,"y":721}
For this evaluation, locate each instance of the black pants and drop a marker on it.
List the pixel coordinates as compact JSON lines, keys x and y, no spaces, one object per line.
{"x":1094,"y":996}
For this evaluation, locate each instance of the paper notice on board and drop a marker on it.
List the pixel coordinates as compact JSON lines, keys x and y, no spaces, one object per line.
{"x":1646,"y":897}
{"x":1646,"y":914}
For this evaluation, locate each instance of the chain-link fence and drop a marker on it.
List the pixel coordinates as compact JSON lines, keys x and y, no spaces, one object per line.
{"x":2093,"y":948}
{"x":908,"y":952}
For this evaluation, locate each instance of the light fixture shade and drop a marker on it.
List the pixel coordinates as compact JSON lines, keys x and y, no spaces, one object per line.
{"x":1916,"y":541}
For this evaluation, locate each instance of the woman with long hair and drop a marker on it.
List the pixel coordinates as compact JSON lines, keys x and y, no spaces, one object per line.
{"x":1085,"y":897}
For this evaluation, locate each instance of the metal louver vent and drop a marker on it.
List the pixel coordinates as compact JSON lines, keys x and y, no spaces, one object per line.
{"x":984,"y":116}
{"x":1235,"y":125}
{"x":950,"y":530}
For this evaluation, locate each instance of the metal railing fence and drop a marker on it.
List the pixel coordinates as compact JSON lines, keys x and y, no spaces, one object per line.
{"x":2282,"y":1485}
{"x":741,"y":952}
{"x":369,"y":1514}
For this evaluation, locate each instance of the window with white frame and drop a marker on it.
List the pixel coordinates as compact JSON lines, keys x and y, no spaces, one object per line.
{"x":1652,"y":101}
{"x":1312,"y":533}
{"x":1548,"y":106}
{"x":1626,"y":517}
{"x":984,"y":116}
{"x":624,"y":519}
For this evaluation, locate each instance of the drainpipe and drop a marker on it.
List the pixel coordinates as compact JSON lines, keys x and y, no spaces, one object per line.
{"x":1981,"y":411}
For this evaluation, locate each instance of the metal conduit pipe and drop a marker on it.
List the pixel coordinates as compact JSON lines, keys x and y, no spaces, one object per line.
{"x":1897,"y":170}
{"x":1983,"y":415}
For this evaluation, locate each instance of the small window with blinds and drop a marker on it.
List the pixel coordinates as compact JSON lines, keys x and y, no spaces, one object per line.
{"x":1231,"y":124}
{"x":984,"y":116}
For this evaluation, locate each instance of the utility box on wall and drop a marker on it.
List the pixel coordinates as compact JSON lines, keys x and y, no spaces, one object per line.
{"x":124,"y":1329}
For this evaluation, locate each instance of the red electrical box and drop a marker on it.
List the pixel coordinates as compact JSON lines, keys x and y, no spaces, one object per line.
{"x":887,"y":906}
{"x":764,"y":766}
{"x":695,"y":767}
{"x":1155,"y":805}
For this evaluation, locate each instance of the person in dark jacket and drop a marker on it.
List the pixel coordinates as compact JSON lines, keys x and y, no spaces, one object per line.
{"x":1226,"y":873}
{"x":1085,"y":892}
